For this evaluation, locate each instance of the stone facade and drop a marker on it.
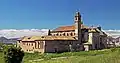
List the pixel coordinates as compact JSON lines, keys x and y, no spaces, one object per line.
{"x":47,"y":45}
{"x":65,"y":38}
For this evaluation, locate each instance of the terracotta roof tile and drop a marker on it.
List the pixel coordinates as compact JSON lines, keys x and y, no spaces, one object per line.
{"x":33,"y":38}
{"x":68,"y":28}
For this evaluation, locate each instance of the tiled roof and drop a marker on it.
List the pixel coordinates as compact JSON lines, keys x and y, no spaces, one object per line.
{"x":68,"y":28}
{"x":33,"y":38}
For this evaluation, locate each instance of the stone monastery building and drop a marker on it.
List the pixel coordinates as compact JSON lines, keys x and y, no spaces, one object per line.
{"x":76,"y":37}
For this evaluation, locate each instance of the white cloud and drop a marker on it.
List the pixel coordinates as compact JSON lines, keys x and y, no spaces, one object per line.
{"x":14,"y":33}
{"x":113,"y":33}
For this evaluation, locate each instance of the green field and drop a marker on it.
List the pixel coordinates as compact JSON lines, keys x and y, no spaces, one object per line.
{"x":104,"y":56}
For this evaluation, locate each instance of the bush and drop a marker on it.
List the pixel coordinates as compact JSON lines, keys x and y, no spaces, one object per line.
{"x":13,"y":55}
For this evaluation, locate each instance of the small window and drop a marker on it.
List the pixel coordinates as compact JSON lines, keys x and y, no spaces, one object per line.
{"x":74,"y":33}
{"x":42,"y":37}
{"x":29,"y":37}
{"x":75,"y":17}
{"x":67,"y":34}
{"x":71,"y":43}
{"x":32,"y":44}
{"x":71,"y":34}
{"x":56,"y":34}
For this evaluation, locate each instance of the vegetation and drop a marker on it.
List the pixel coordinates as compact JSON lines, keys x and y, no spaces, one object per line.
{"x":13,"y":55}
{"x":97,"y":56}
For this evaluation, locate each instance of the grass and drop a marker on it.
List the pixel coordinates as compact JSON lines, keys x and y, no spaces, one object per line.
{"x":106,"y":56}
{"x":1,"y":57}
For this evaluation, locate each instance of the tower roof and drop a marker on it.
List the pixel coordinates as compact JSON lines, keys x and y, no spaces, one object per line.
{"x":77,"y":14}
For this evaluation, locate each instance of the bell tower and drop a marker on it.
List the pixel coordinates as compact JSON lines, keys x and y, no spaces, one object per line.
{"x":77,"y":20}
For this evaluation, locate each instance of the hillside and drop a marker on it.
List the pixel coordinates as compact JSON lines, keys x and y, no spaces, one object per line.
{"x":103,"y":56}
{"x":8,"y":41}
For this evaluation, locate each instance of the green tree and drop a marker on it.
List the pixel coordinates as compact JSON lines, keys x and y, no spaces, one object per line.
{"x":13,"y":55}
{"x":49,"y":32}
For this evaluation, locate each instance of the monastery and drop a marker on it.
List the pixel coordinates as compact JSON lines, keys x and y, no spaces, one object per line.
{"x":76,"y":37}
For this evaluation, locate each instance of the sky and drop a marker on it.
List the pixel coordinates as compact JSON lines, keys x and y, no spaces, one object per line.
{"x":50,"y":14}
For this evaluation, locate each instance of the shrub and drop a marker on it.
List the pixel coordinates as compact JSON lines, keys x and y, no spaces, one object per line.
{"x":13,"y":55}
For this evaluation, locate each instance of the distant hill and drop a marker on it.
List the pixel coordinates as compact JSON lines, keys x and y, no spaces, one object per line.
{"x":10,"y":36}
{"x":8,"y":41}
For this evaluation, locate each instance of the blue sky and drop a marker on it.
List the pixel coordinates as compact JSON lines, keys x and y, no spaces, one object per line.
{"x":28,"y":14}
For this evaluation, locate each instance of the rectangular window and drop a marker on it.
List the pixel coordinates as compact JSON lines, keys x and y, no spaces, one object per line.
{"x":41,"y":45}
{"x":38,"y":45}
{"x":35,"y":44}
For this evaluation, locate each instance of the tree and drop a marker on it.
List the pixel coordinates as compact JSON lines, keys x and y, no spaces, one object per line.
{"x":49,"y":32}
{"x":13,"y":55}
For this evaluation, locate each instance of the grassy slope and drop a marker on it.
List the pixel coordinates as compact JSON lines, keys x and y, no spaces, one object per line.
{"x":87,"y":59}
{"x":1,"y":58}
{"x":107,"y":56}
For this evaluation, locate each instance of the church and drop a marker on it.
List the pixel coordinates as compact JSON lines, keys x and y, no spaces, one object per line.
{"x":76,"y":37}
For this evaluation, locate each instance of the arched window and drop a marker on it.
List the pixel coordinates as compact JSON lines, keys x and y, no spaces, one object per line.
{"x":60,"y":34}
{"x":76,"y":18}
{"x":29,"y":37}
{"x":67,"y":34}
{"x":63,"y":34}
{"x":57,"y":34}
{"x":71,"y":34}
{"x":74,"y":33}
{"x":32,"y":44}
